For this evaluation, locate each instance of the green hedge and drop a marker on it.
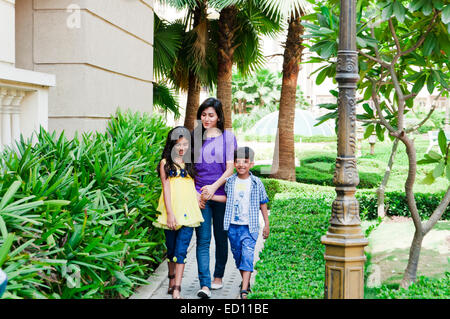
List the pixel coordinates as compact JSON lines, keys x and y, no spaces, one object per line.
{"x":291,"y":265}
{"x":81,"y":209}
{"x":310,"y":174}
{"x":423,"y":288}
{"x":398,"y":205}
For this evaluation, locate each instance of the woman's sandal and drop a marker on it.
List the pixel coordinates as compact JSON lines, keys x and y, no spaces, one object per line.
{"x":170,"y":290}
{"x":243,"y":294}
{"x":177,"y":288}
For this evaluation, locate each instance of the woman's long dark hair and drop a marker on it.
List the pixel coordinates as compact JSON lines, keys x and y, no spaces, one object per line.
{"x":217,"y":106}
{"x":174,"y":135}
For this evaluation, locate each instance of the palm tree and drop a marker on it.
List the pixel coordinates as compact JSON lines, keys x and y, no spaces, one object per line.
{"x":194,"y":65}
{"x":239,"y":28}
{"x":283,"y":166}
{"x":167,"y":42}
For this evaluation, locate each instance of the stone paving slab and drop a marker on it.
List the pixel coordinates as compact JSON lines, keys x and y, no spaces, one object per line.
{"x":158,"y":282}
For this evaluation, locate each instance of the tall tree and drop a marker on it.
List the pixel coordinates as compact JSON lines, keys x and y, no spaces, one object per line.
{"x":283,"y":166}
{"x":402,"y":50}
{"x":240,"y":27}
{"x":194,"y":65}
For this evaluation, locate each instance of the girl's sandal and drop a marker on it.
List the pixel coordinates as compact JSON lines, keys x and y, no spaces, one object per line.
{"x":170,"y":290}
{"x":243,"y":294}
{"x":177,"y":288}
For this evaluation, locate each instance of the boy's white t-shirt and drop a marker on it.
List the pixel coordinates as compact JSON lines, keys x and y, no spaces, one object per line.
{"x":241,"y":201}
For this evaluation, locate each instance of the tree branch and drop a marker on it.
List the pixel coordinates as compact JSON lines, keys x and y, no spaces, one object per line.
{"x":437,"y":213}
{"x":423,"y":37}
{"x":379,"y":61}
{"x":394,"y":35}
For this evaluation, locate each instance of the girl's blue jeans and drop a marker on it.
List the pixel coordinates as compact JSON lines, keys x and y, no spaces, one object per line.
{"x":213,"y":214}
{"x":177,"y":243}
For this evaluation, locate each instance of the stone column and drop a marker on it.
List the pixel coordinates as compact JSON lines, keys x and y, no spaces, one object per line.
{"x":10,"y":100}
{"x":344,"y":241}
{"x":15,"y":115}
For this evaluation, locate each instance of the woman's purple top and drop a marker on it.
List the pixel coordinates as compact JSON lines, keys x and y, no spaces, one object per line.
{"x":211,"y":163}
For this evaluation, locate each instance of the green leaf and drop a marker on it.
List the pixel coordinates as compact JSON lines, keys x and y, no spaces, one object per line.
{"x":430,"y":84}
{"x":380,"y":132}
{"x":369,"y":131}
{"x":368,"y":109}
{"x":442,"y":139}
{"x":416,"y":5}
{"x":387,"y":12}
{"x":3,"y":229}
{"x":434,"y":155}
{"x":429,"y":179}
{"x":399,"y":11}
{"x":446,"y":14}
{"x":429,"y":45}
{"x":4,"y":250}
{"x":439,"y":170}
{"x":427,"y":8}
{"x":447,"y":171}
{"x":438,"y":4}
{"x":10,"y":193}
{"x":120,"y":275}
{"x":321,"y":76}
{"x":419,"y":84}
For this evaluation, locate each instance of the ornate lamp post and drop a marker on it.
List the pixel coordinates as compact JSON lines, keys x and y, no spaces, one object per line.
{"x":344,"y":241}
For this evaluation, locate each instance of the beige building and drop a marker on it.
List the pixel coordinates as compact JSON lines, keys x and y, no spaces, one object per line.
{"x":72,"y":63}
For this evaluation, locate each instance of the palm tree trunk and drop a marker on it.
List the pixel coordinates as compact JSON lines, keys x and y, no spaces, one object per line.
{"x":193,"y":101}
{"x":284,"y":155}
{"x":226,"y":48}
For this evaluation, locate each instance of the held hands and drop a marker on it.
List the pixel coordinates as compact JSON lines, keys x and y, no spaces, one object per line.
{"x":208,"y":192}
{"x":201,"y":201}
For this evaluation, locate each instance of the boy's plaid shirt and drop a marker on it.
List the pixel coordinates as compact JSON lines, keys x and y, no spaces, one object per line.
{"x":258,"y":196}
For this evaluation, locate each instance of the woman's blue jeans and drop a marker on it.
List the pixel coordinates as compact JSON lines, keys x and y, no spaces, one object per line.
{"x":213,"y":213}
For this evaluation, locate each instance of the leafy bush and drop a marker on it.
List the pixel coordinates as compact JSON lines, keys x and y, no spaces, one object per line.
{"x":397,"y":205}
{"x":291,"y":264}
{"x":81,"y":210}
{"x":312,"y":174}
{"x":423,"y":288}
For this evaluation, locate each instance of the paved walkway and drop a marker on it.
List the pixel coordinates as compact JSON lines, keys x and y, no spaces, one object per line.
{"x":158,"y":282}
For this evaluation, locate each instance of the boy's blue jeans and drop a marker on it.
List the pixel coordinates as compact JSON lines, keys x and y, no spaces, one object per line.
{"x":242,"y":246}
{"x":213,"y":213}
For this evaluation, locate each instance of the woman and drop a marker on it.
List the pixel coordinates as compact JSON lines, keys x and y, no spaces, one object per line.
{"x":214,"y":151}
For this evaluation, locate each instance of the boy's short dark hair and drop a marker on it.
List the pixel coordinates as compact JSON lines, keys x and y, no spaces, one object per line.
{"x":244,"y":152}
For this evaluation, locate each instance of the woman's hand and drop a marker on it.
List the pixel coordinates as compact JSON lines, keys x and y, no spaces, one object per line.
{"x":208,"y":192}
{"x":171,"y":221}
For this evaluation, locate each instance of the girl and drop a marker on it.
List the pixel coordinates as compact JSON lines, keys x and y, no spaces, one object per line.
{"x":214,"y":162}
{"x":178,"y":203}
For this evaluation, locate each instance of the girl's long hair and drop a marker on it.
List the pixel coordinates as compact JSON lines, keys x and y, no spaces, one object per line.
{"x":174,"y":135}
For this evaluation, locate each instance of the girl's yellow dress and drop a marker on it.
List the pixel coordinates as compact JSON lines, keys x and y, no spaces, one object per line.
{"x":184,"y":203}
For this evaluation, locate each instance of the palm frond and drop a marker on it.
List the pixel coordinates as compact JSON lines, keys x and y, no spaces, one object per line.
{"x":164,"y":98}
{"x":286,"y":8}
{"x":167,"y":42}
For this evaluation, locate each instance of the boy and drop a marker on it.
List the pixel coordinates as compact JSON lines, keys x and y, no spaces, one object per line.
{"x":246,"y":195}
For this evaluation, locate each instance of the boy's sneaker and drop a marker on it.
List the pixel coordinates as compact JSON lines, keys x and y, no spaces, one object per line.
{"x":204,"y":293}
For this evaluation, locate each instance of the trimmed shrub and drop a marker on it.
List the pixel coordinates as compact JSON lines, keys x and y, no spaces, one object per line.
{"x":312,"y":175}
{"x":291,"y":265}
{"x":75,"y":215}
{"x":397,"y":205}
{"x":423,"y":288}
